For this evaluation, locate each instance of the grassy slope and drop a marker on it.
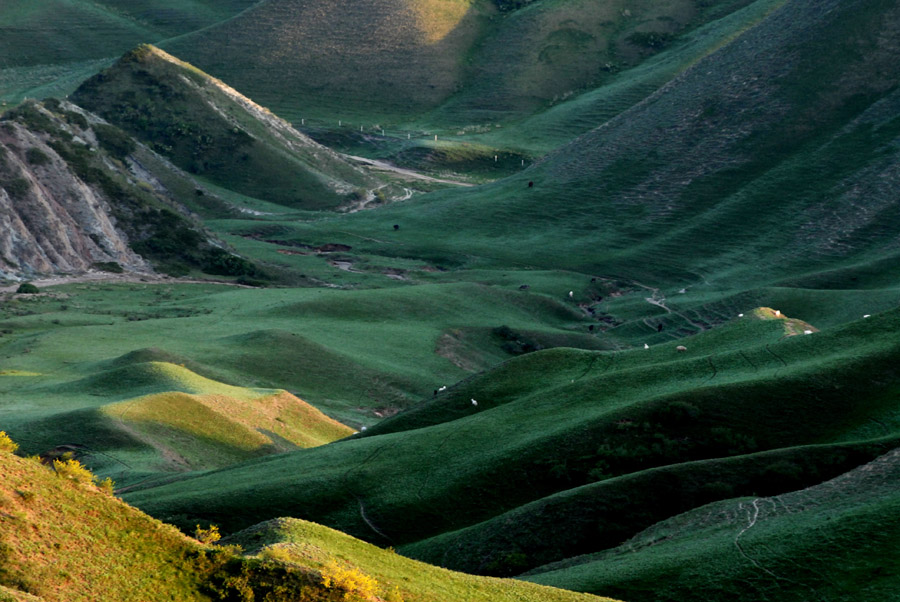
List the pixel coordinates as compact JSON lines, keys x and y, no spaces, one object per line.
{"x":208,"y":129}
{"x":66,"y":541}
{"x":554,"y":49}
{"x":62,"y":540}
{"x":393,"y":59}
{"x":328,"y":345}
{"x":835,"y":541}
{"x":314,"y":545}
{"x":560,"y":419}
{"x":49,"y":47}
{"x":697,"y":187}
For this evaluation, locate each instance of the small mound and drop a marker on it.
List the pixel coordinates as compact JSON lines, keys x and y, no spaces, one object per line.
{"x":792,"y":326}
{"x":297,"y":541}
{"x":210,"y":431}
{"x":152,"y":377}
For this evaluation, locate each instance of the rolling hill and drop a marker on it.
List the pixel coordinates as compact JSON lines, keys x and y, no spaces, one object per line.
{"x":62,"y":538}
{"x":558,"y":441}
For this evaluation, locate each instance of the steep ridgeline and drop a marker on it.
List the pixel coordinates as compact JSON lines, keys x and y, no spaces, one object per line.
{"x":78,"y":193}
{"x":52,"y":220}
{"x":212,"y":131}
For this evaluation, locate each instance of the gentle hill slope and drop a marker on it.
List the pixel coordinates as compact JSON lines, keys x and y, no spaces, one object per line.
{"x":49,"y":47}
{"x":156,"y":418}
{"x":209,"y":129}
{"x":554,"y":421}
{"x":834,"y":541}
{"x":388,"y":58}
{"x":63,"y":540}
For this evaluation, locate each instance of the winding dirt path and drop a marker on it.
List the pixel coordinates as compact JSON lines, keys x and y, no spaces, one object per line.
{"x":408,"y":173}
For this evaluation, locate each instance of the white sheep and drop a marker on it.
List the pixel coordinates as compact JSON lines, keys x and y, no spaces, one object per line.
{"x":740,"y":315}
{"x":646,"y":346}
{"x":474,"y":403}
{"x":807,"y":332}
{"x":444,"y":388}
{"x":681,"y":349}
{"x":777,"y":314}
{"x":571,"y":294}
{"x":867,"y":315}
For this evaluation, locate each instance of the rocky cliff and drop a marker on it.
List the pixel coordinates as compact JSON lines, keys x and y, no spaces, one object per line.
{"x":51,"y":220}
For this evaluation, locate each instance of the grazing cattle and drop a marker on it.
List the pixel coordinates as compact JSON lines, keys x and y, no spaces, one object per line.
{"x":531,"y":184}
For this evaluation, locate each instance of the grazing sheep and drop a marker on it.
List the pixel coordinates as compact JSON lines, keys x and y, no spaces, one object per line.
{"x":474,"y":403}
{"x":740,"y":315}
{"x":681,"y":349}
{"x":866,"y":316}
{"x":807,"y":332}
{"x":443,"y":388}
{"x":777,"y":314}
{"x":646,"y":346}
{"x":571,"y":294}
{"x":362,"y":429}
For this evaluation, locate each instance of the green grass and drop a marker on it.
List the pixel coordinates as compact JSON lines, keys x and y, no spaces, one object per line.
{"x":52,"y":526}
{"x":833,"y":541}
{"x":554,"y":421}
{"x":316,"y":546}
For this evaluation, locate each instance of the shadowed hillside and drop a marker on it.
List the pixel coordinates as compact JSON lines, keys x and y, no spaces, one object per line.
{"x":388,"y":58}
{"x":212,"y":131}
{"x":833,"y":541}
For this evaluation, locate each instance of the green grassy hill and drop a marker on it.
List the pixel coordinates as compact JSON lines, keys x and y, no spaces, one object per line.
{"x":833,"y":541}
{"x":746,"y":410}
{"x":326,"y":59}
{"x":63,"y":539}
{"x":210,"y":130}
{"x":49,"y":47}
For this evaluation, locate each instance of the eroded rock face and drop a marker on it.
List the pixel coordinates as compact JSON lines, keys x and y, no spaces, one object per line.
{"x":50,"y":220}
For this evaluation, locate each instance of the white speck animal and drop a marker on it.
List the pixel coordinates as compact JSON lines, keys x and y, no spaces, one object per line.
{"x":866,"y":316}
{"x":682,"y":291}
{"x":740,"y":315}
{"x":363,"y":429}
{"x":474,"y":403}
{"x":807,"y":332}
{"x":646,"y":346}
{"x":777,"y":313}
{"x":571,"y":294}
{"x":681,"y":349}
{"x":444,"y":388}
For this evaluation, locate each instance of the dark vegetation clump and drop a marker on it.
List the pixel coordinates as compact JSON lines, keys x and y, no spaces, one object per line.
{"x":114,"y":141}
{"x":26,"y":288}
{"x":506,"y":6}
{"x":653,"y":40}
{"x":36,"y":156}
{"x":516,"y":343}
{"x":17,"y":188}
{"x":113,"y":267}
